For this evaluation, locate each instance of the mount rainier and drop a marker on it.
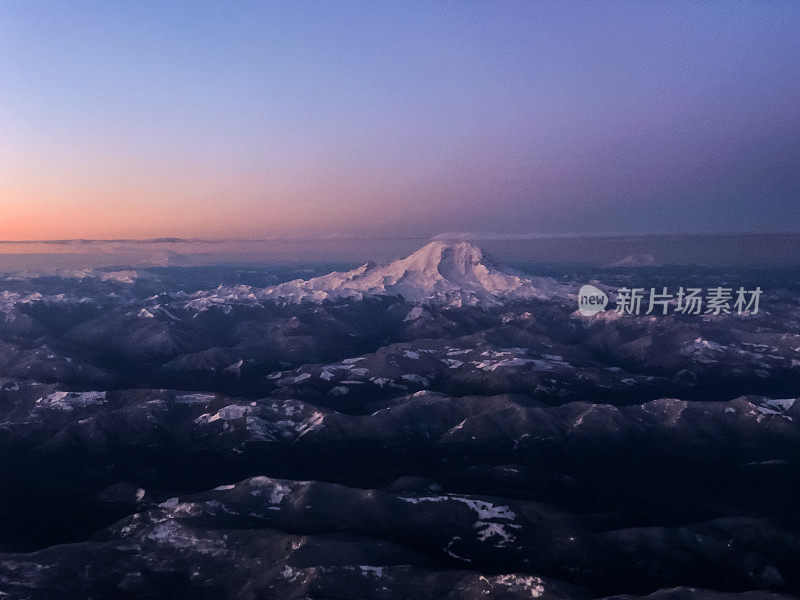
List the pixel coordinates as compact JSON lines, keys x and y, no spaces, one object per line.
{"x":450,"y":273}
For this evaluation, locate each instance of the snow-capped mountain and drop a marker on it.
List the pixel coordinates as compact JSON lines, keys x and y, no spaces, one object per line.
{"x":453,"y":273}
{"x":456,"y":273}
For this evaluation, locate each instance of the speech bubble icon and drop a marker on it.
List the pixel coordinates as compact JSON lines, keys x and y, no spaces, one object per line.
{"x":591,"y":300}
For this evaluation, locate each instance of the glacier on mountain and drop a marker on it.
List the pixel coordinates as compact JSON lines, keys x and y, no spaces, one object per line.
{"x":450,"y":273}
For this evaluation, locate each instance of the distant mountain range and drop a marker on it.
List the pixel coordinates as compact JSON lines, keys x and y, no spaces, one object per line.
{"x":439,"y":426}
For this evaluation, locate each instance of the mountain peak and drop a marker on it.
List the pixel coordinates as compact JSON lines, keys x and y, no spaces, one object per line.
{"x":451,"y":272}
{"x":461,"y":256}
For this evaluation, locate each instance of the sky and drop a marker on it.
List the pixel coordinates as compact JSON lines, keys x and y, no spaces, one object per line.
{"x":323,"y":119}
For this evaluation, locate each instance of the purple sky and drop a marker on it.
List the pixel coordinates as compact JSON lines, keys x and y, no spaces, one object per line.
{"x":365,"y":118}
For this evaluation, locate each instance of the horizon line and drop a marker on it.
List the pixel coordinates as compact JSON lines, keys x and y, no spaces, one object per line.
{"x":454,"y":236}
